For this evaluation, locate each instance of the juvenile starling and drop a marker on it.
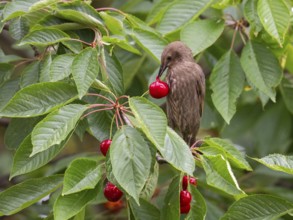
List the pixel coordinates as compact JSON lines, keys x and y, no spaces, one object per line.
{"x":186,"y":81}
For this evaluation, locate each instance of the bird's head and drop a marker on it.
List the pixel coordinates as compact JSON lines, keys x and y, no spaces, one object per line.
{"x":173,"y":53}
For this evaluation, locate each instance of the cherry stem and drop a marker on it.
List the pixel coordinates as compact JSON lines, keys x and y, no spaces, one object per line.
{"x":98,"y":110}
{"x":111,"y":127}
{"x":86,"y":43}
{"x":110,"y":9}
{"x":101,"y":96}
{"x":99,"y":105}
{"x":233,"y":38}
{"x":125,"y":110}
{"x":145,"y":93}
{"x":126,"y":119}
{"x":119,"y":116}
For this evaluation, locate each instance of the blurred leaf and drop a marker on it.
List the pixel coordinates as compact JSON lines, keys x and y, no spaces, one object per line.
{"x":55,"y":127}
{"x":17,"y":131}
{"x":23,"y":163}
{"x":42,"y":3}
{"x":39,"y":99}
{"x":179,"y":13}
{"x":227,"y":82}
{"x":18,"y":28}
{"x":145,"y":210}
{"x":174,"y":150}
{"x":261,"y":68}
{"x":85,"y":68}
{"x":227,"y":150}
{"x":68,"y":206}
{"x":220,"y":175}
{"x":61,"y":67}
{"x":221,"y":4}
{"x":44,"y":37}
{"x":275,"y":17}
{"x":81,"y":174}
{"x":286,"y":88}
{"x":24,"y":194}
{"x":151,"y":118}
{"x":278,"y":162}
{"x":30,"y":74}
{"x":198,"y":205}
{"x":131,"y":160}
{"x":201,"y":34}
{"x":152,"y":43}
{"x":258,"y":207}
{"x":170,"y":209}
{"x":6,"y":71}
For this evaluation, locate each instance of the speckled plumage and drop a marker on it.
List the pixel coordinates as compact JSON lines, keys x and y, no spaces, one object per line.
{"x":187,"y":90}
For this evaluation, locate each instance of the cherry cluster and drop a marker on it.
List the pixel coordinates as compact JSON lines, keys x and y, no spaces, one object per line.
{"x":185,"y":195}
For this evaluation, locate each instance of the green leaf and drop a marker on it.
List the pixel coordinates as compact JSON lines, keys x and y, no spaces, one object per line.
{"x":170,"y":209}
{"x":41,"y":4}
{"x":198,"y":205}
{"x":55,"y":127}
{"x":261,"y":67}
{"x":150,"y":42}
{"x":221,"y":4}
{"x":278,"y":162}
{"x":227,"y":82}
{"x":44,"y":37}
{"x":80,"y":17}
{"x":61,"y":67}
{"x":45,"y":68}
{"x":201,"y":34}
{"x":18,"y":28}
{"x":17,"y":131}
{"x":6,"y":72}
{"x":220,"y":175}
{"x":286,"y":88}
{"x":174,"y":150}
{"x":158,"y":11}
{"x":151,"y":183}
{"x":39,"y":99}
{"x":145,"y":210}
{"x":30,"y":74}
{"x":112,"y":23}
{"x":121,"y":42}
{"x":131,"y":160}
{"x":81,"y":174}
{"x":68,"y":206}
{"x":151,"y":118}
{"x":258,"y":207}
{"x":179,"y":13}
{"x":7,"y":90}
{"x":115,"y":73}
{"x":275,"y":17}
{"x":16,"y":8}
{"x":85,"y":68}
{"x":226,"y":149}
{"x":24,"y":194}
{"x":250,"y":12}
{"x":23,"y":163}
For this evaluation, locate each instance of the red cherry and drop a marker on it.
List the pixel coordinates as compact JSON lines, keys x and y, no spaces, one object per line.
{"x":193,"y":181}
{"x":185,"y":209}
{"x":112,"y":193}
{"x":104,"y":146}
{"x":184,"y":182}
{"x":185,"y":198}
{"x":159,"y":89}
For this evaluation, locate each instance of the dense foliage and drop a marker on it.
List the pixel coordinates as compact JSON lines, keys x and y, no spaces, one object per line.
{"x":86,"y":73}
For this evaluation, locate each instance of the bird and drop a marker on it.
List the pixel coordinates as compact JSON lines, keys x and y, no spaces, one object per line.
{"x":186,"y":81}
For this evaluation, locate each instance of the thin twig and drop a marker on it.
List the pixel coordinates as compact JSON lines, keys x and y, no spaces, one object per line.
{"x":99,"y":105}
{"x":98,"y":110}
{"x":101,"y":96}
{"x":119,"y":116}
{"x":234,"y":36}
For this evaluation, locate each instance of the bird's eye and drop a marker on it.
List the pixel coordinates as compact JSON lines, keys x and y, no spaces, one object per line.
{"x":169,"y":58}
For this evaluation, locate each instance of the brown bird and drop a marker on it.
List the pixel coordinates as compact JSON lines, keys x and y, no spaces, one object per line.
{"x":186,"y":81}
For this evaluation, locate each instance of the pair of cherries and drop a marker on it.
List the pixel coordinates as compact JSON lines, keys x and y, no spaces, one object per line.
{"x":185,"y":195}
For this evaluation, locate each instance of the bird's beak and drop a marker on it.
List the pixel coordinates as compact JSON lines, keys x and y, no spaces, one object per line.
{"x":163,"y":67}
